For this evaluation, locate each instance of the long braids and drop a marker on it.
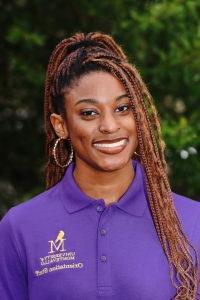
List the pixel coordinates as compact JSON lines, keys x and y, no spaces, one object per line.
{"x":100,"y":51}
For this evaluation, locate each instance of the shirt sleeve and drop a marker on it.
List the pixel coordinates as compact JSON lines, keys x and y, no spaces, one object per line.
{"x":13,"y":282}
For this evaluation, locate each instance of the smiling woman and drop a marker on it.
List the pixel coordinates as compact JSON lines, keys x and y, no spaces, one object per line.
{"x":108,"y":226}
{"x":99,"y":120}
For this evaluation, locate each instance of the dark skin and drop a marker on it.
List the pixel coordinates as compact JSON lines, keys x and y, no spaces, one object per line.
{"x":100,"y":123}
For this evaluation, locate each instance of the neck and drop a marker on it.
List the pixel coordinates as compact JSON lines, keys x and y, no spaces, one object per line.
{"x":109,"y":186}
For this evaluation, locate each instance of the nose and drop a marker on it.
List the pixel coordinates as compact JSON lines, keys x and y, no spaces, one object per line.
{"x":108,"y":124}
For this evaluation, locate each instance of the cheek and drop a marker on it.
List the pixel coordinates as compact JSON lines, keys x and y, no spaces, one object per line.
{"x":132,"y":131}
{"x":130,"y":125}
{"x":82,"y":132}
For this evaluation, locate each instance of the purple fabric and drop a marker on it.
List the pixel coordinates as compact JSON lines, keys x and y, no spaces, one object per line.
{"x":63,"y":244}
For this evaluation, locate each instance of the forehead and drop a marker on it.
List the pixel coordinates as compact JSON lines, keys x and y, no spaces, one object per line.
{"x":96,"y":84}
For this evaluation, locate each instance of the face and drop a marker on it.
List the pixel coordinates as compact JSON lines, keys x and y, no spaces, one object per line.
{"x":100,"y":122}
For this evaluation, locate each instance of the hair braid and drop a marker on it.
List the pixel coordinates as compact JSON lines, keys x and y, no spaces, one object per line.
{"x":74,"y":57}
{"x":176,"y":241}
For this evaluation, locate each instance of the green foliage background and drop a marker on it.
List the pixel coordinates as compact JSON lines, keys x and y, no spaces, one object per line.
{"x":162,"y":38}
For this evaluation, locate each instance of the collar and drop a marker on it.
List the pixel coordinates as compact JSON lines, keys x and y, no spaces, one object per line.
{"x":133,"y":202}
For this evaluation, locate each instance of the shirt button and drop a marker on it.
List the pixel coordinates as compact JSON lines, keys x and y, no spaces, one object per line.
{"x":103,"y":231}
{"x":99,"y":208}
{"x":103,"y":258}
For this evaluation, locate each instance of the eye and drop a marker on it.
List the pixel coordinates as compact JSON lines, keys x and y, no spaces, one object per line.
{"x":123,"y":108}
{"x":88,"y":113}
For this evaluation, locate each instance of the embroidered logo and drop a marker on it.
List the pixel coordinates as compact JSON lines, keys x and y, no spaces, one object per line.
{"x":58,"y":244}
{"x":58,"y":253}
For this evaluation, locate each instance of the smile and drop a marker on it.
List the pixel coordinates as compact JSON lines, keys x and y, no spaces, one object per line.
{"x":111,"y":147}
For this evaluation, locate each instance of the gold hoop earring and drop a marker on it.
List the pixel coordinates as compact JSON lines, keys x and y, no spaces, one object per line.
{"x":55,"y":156}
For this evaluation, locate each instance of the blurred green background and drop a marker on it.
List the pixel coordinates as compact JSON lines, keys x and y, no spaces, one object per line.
{"x":162,"y":38}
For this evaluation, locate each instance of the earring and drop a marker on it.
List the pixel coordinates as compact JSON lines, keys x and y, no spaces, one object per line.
{"x":136,"y":154}
{"x":55,"y":156}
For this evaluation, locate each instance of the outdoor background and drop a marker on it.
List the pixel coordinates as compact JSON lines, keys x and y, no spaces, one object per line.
{"x":162,"y":38}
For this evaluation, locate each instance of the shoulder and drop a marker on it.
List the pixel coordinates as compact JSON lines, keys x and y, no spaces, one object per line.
{"x":34,"y":208}
{"x":186,"y":206}
{"x":188,"y":211}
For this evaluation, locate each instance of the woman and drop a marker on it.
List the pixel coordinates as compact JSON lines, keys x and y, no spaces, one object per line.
{"x":108,"y":225}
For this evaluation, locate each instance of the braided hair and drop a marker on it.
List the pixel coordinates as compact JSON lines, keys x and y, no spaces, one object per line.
{"x":84,"y":53}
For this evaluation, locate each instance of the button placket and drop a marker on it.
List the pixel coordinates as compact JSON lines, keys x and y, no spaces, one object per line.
{"x":103,"y":254}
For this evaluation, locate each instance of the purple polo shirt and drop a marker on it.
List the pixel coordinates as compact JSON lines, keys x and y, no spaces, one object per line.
{"x":63,"y":244}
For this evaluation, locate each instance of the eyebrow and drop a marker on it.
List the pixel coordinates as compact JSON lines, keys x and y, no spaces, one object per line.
{"x":94,"y":101}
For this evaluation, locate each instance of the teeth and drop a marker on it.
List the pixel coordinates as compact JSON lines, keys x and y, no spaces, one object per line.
{"x":113,"y":145}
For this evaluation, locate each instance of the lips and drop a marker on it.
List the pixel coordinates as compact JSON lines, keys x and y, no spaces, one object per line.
{"x":111,"y":146}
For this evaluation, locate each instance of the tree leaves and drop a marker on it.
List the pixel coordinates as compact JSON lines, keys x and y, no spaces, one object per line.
{"x":162,"y":38}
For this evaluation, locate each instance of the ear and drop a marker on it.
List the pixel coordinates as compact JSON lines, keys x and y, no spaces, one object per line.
{"x":59,"y":125}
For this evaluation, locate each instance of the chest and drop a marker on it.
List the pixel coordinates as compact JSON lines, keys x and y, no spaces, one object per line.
{"x":108,"y":255}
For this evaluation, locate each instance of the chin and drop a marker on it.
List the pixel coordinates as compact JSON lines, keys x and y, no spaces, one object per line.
{"x":112,"y":164}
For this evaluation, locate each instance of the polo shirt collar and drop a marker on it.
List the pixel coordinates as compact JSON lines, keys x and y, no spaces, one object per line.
{"x":133,"y":202}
